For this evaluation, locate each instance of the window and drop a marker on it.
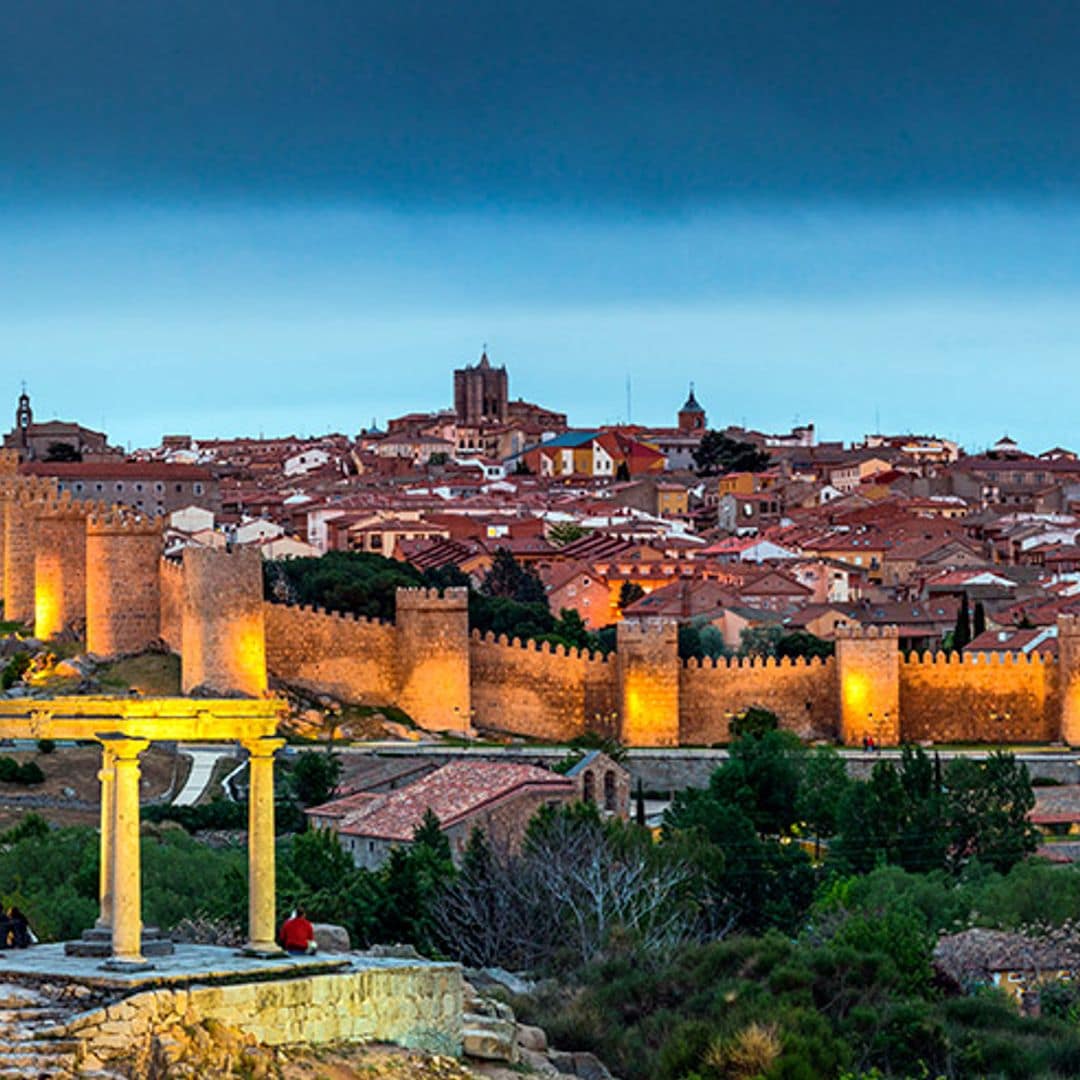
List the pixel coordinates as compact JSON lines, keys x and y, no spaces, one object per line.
{"x":119,"y":486}
{"x":198,"y":489}
{"x":99,"y":487}
{"x":159,"y":488}
{"x":138,"y":487}
{"x":78,"y":487}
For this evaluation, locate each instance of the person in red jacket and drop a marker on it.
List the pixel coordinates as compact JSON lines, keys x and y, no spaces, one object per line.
{"x":297,"y":934}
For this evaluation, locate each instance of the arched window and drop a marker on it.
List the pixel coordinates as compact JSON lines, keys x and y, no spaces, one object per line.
{"x":609,"y":791}
{"x":588,"y":791}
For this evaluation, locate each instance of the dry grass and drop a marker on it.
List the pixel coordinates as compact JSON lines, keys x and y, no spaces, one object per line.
{"x":746,"y":1055}
{"x":152,"y":674}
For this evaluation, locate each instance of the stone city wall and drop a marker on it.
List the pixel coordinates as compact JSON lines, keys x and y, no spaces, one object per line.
{"x":171,"y":583}
{"x":349,"y":657}
{"x":413,"y":1004}
{"x":977,"y":697}
{"x":802,"y":693}
{"x":539,"y":690}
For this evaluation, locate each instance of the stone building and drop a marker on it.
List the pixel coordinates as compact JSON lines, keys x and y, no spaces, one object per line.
{"x":481,"y":393}
{"x":40,"y":440}
{"x":150,"y":487}
{"x":497,"y":797}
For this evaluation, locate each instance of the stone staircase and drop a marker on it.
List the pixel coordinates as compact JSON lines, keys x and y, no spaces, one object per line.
{"x":32,"y":1045}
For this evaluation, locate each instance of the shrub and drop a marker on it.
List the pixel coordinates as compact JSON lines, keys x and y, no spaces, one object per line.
{"x":46,"y":746}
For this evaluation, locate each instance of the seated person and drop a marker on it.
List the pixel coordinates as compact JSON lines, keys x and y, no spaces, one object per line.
{"x":297,"y":934}
{"x":22,"y":936}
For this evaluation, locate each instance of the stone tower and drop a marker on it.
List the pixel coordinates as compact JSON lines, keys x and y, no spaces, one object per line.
{"x":692,"y":416}
{"x":648,"y":666}
{"x":868,"y":669}
{"x":433,"y":658}
{"x":25,"y":501}
{"x":123,"y":594}
{"x":1069,"y":677}
{"x":481,"y":393}
{"x":223,"y":635}
{"x":60,"y":568}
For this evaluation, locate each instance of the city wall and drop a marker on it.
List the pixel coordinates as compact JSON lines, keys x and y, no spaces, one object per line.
{"x":539,"y":690}
{"x":803,"y":693}
{"x":63,"y":565}
{"x":350,"y":657}
{"x":979,"y":697}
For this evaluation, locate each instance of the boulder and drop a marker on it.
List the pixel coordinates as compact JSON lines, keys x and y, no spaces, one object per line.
{"x":490,"y":977}
{"x":488,"y":1038}
{"x":331,"y":938}
{"x":538,"y":1063}
{"x":532,"y":1038}
{"x":589,"y":1067}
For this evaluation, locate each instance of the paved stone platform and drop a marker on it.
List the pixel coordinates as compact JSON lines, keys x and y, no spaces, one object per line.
{"x":202,"y":964}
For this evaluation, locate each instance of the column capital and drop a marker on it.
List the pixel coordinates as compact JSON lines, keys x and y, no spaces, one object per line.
{"x":122,"y":747}
{"x":263,"y":745}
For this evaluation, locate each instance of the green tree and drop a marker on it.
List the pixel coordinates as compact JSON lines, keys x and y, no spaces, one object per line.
{"x":822,"y":790}
{"x":508,"y":579}
{"x":629,"y":593}
{"x":314,"y":776}
{"x":988,"y":807}
{"x":979,"y":621}
{"x":962,"y":631}
{"x":719,"y":453}
{"x":61,"y":451}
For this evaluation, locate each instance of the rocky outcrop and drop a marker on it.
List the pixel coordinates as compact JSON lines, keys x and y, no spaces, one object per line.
{"x":501,"y":1048}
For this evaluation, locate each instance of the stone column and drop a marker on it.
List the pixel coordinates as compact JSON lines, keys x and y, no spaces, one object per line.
{"x":107,"y":776}
{"x":126,"y":875}
{"x":262,"y":919}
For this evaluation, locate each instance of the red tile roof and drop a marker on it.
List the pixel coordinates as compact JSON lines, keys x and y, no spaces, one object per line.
{"x":452,"y":793}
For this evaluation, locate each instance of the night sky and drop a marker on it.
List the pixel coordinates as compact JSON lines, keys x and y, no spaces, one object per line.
{"x":226,"y":218}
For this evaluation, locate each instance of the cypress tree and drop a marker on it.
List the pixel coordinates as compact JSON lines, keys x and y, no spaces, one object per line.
{"x":979,"y":624}
{"x":962,"y":633}
{"x":639,"y":804}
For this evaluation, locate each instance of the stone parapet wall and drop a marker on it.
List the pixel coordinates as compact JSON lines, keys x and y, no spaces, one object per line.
{"x":802,"y":693}
{"x":413,"y":1004}
{"x":349,"y":657}
{"x":539,"y":690}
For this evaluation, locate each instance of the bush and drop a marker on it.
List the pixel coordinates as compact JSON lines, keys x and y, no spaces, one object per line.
{"x":14,"y":670}
{"x":46,"y":746}
{"x":11,"y":772}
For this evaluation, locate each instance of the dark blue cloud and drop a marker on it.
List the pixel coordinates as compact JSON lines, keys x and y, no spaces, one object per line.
{"x":591,"y":103}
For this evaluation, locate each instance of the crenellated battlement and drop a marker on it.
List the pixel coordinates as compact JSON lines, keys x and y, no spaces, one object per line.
{"x":544,"y":648}
{"x":451,"y":599}
{"x":966,"y":659}
{"x":118,"y":523}
{"x":758,"y":663}
{"x":867,"y":633}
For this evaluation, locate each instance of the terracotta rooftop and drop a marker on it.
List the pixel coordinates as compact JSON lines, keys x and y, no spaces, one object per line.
{"x":452,"y":793}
